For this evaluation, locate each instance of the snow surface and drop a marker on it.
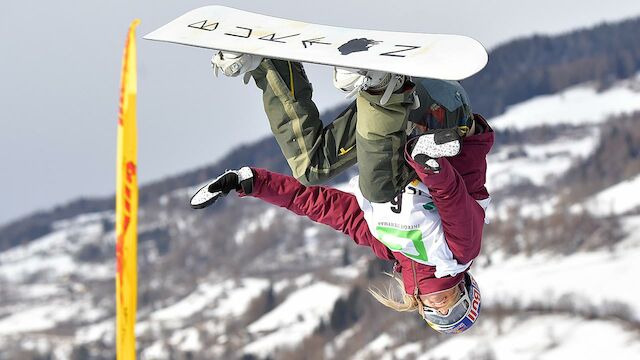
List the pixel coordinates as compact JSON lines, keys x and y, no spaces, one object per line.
{"x":545,"y":337}
{"x":598,"y":277}
{"x":226,"y":298}
{"x":157,"y":350}
{"x":104,"y":330}
{"x":236,"y":301}
{"x":578,"y":105}
{"x":347,"y":272}
{"x":341,"y":340}
{"x":378,"y":345}
{"x":41,"y":317}
{"x":260,"y":223}
{"x":50,"y":256}
{"x":615,"y":200}
{"x":186,"y":340}
{"x":294,"y":319}
{"x":541,"y":163}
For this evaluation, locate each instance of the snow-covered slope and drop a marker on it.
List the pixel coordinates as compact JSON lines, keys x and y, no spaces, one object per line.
{"x":615,"y":200}
{"x":215,"y":287}
{"x":537,"y":163}
{"x":594,"y":278}
{"x":294,"y":319}
{"x":579,"y":105}
{"x":544,"y":337}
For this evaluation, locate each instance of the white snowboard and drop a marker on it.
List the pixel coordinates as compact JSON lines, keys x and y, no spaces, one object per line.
{"x":438,"y":56}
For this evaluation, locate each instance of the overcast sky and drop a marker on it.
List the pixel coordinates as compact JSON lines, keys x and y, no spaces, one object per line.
{"x":60,"y":70}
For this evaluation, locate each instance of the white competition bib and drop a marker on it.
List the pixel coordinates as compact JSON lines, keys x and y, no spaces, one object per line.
{"x":410,"y":224}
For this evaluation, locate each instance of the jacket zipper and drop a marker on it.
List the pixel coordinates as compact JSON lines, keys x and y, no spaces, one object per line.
{"x":415,"y":279}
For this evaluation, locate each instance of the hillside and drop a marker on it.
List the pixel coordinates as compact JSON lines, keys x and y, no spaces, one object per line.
{"x":522,"y":69}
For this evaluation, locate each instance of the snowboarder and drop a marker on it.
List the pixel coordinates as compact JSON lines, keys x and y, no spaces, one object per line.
{"x":432,"y":229}
{"x":431,"y":226}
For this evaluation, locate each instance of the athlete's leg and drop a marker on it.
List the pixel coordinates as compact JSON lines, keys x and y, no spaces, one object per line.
{"x":314,"y":153}
{"x":380,"y":140}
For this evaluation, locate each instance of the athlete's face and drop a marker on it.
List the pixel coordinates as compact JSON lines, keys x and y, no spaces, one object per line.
{"x":442,"y":300}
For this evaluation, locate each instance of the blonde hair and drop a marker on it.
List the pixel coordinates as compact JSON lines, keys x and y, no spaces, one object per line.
{"x":387,"y":298}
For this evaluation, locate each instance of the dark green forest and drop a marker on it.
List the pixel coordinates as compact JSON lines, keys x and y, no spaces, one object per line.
{"x":539,"y":65}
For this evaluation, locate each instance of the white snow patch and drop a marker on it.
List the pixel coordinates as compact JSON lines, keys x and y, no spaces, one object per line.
{"x":83,"y":220}
{"x":550,"y":337}
{"x":39,"y":291}
{"x":403,"y":352}
{"x":280,"y":285}
{"x":533,"y":209}
{"x":539,"y":163}
{"x":614,"y":200}
{"x":311,"y":243}
{"x":631,"y":226}
{"x":237,"y":300}
{"x":347,"y":272}
{"x":38,"y":318}
{"x":157,"y":351}
{"x":340,"y":341}
{"x":50,"y":257}
{"x":293,"y":320}
{"x":303,"y":280}
{"x":186,"y":340}
{"x":226,"y":298}
{"x":578,"y":105}
{"x":544,"y":278}
{"x":380,"y":344}
{"x":104,"y":330}
{"x":204,"y":295}
{"x":262,"y":222}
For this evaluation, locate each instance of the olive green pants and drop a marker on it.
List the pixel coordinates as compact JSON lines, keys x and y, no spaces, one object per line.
{"x":366,"y":132}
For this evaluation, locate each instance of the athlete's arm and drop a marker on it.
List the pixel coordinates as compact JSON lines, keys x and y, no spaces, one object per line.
{"x":461,"y":215}
{"x":321,"y":204}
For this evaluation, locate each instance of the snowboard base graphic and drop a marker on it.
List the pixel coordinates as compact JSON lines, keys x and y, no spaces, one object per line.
{"x":438,"y":56}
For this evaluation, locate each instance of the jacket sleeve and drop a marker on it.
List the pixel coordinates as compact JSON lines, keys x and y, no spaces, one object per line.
{"x":321,"y":204}
{"x":461,"y":215}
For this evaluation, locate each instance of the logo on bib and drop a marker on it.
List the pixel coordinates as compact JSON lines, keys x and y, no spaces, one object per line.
{"x":430,"y":206}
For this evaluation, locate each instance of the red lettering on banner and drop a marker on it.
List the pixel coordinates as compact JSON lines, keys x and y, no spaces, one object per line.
{"x":126,"y":220}
{"x":121,"y":111}
{"x":125,"y":71}
{"x":131,"y":171}
{"x":119,"y":263}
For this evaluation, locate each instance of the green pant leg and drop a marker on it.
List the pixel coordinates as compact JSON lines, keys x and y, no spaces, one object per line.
{"x":314,"y":153}
{"x":380,"y":140}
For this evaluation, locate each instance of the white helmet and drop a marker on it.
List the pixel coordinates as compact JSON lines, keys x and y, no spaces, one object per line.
{"x":462,"y":315}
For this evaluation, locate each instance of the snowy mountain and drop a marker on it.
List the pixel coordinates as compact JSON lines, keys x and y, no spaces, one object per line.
{"x":244,"y":280}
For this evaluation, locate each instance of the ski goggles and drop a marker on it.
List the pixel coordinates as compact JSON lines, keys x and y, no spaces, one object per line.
{"x":455,"y":313}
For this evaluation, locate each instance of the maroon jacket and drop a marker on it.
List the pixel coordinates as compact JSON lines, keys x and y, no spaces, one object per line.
{"x":454,"y":191}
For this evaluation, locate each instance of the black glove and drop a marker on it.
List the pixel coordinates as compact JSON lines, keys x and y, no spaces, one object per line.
{"x":225,"y":183}
{"x":231,"y":180}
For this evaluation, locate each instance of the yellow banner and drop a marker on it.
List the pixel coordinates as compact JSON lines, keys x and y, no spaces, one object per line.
{"x":127,"y":205}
